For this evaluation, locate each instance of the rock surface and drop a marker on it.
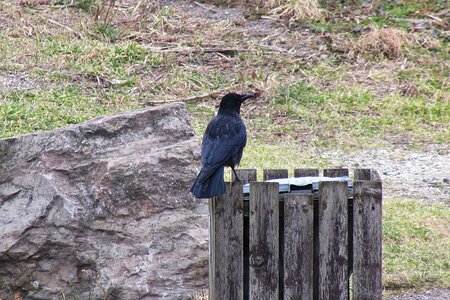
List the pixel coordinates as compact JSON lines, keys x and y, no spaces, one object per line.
{"x":102,"y":210}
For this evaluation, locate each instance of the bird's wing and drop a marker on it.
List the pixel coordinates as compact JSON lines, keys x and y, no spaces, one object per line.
{"x":224,"y":138}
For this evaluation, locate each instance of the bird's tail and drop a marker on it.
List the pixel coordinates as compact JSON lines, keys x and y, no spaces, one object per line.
{"x":213,"y":186}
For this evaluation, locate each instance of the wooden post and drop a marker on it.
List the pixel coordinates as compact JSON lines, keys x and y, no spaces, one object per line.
{"x":306,"y":172}
{"x":245,"y":175}
{"x":335,"y":172}
{"x":358,"y":174}
{"x":362,"y":174}
{"x":367,"y":237}
{"x":275,"y":174}
{"x":298,"y":247}
{"x":326,"y":173}
{"x":226,"y":244}
{"x":264,"y":217}
{"x":333,"y":240}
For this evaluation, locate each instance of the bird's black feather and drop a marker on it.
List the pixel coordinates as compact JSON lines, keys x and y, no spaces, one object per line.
{"x":223,"y":145}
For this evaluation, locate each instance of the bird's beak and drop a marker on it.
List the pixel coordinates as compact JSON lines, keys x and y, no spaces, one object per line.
{"x":247,"y":96}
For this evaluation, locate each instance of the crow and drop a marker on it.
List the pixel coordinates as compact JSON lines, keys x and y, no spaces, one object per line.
{"x":222,"y":145}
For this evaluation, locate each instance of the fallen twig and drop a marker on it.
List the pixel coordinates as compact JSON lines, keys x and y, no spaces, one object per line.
{"x":270,"y":18}
{"x":434,"y":18}
{"x":136,"y":7}
{"x":205,"y":7}
{"x":274,"y":35}
{"x":78,"y":34}
{"x":198,"y":50}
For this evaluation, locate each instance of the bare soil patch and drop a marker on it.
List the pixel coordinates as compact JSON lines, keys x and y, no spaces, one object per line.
{"x":16,"y":81}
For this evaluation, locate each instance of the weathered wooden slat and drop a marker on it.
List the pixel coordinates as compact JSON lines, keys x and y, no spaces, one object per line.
{"x":226,"y":244}
{"x":358,"y":174}
{"x":316,"y":251}
{"x":367,"y":200}
{"x":245,"y":175}
{"x":269,"y":174}
{"x":335,"y":172}
{"x":362,"y":174}
{"x":264,"y":237}
{"x":306,"y":172}
{"x":298,"y":247}
{"x":333,"y":240}
{"x":275,"y":174}
{"x":212,"y":249}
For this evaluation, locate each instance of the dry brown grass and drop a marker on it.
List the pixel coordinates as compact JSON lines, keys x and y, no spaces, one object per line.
{"x":202,"y":295}
{"x":389,"y":43}
{"x":296,"y":9}
{"x":380,"y":42}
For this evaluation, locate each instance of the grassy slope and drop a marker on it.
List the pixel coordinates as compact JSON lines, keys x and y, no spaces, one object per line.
{"x":415,"y":245}
{"x":313,"y":94}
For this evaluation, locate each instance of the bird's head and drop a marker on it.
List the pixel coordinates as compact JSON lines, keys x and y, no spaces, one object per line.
{"x":233,"y":101}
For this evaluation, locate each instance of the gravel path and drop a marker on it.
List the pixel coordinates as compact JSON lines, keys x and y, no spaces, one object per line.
{"x":443,"y":294}
{"x":407,"y":174}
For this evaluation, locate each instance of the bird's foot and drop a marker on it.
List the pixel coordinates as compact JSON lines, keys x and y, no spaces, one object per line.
{"x":236,"y":177}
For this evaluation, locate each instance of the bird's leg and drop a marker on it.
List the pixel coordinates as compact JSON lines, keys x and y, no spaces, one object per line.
{"x":236,"y":178}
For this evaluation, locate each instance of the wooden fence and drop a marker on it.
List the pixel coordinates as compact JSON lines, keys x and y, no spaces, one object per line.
{"x":297,"y":245}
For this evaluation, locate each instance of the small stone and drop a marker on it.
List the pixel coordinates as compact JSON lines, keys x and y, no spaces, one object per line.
{"x":436,"y":32}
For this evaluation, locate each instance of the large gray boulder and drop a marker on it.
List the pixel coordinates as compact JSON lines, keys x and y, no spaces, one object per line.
{"x":102,"y":210}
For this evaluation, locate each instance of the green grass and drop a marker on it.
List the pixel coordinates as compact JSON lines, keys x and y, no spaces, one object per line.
{"x":415,"y":245}
{"x":385,"y":21}
{"x":85,"y":5}
{"x":25,"y":112}
{"x":405,"y":8}
{"x":98,"y":57}
{"x":260,"y":156}
{"x":357,"y":115}
{"x":107,"y":31}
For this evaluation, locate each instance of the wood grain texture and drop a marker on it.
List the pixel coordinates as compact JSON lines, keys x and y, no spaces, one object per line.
{"x":264,"y":239}
{"x":306,"y":172}
{"x":362,"y":174}
{"x":245,"y":175}
{"x":269,"y":174}
{"x":226,"y":244}
{"x":335,"y":172}
{"x":367,"y":240}
{"x":333,"y":240}
{"x":298,"y":247}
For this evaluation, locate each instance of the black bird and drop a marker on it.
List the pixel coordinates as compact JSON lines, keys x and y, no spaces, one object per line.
{"x":223,"y":144}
